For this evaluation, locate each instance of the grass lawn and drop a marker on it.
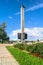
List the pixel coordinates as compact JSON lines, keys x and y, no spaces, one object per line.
{"x":24,"y":58}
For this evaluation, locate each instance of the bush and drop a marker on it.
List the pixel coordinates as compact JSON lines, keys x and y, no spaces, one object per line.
{"x":29,"y":48}
{"x":36,"y":48}
{"x":21,"y":46}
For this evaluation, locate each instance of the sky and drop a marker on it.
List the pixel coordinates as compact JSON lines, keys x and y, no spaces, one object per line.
{"x":33,"y":18}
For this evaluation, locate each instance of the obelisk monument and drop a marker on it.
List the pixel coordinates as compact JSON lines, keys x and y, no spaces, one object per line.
{"x":22,"y":23}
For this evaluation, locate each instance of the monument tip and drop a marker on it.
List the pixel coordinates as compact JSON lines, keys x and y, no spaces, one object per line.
{"x":22,"y":6}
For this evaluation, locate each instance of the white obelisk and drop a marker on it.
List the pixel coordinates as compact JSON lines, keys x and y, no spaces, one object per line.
{"x":22,"y":24}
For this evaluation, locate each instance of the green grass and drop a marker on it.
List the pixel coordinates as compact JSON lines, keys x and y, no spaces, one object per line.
{"x":23,"y":58}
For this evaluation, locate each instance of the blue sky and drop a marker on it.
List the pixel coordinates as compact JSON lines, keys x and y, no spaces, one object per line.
{"x":33,"y":17}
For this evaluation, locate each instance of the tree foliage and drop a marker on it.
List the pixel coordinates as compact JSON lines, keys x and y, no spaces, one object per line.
{"x":3,"y":34}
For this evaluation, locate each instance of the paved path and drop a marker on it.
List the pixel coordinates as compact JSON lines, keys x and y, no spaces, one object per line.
{"x":5,"y":57}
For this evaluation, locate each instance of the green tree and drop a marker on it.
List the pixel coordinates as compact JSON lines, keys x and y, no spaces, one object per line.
{"x":3,"y":34}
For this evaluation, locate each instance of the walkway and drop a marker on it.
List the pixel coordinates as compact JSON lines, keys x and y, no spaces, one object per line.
{"x":5,"y":57}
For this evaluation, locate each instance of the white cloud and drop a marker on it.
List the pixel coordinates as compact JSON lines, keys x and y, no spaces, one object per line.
{"x":10,"y":17}
{"x":32,"y":32}
{"x":32,"y":8}
{"x":35,"y":7}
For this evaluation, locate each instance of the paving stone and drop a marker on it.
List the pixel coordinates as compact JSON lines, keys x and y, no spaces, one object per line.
{"x":5,"y":57}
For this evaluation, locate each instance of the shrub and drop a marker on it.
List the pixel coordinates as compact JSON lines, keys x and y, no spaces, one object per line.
{"x":36,"y":48}
{"x":21,"y":46}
